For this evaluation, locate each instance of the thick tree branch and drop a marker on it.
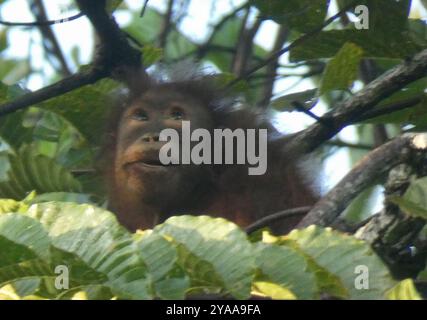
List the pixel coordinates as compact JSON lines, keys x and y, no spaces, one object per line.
{"x":115,"y":57}
{"x":371,"y":167}
{"x":115,"y":50}
{"x":68,"y":84}
{"x":352,"y":109}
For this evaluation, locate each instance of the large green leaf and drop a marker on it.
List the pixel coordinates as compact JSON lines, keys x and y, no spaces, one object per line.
{"x":86,"y":108}
{"x":388,"y":35}
{"x":416,"y":114}
{"x":24,"y":253}
{"x":404,"y":290}
{"x":215,"y":252}
{"x":161,"y":258}
{"x":183,"y":256}
{"x":146,"y":30}
{"x":12,"y":128}
{"x":287,"y":268}
{"x":25,"y":238}
{"x":303,"y":15}
{"x":26,"y":171}
{"x":344,"y":256}
{"x":94,"y":237}
{"x":342,"y":70}
{"x":414,"y":201}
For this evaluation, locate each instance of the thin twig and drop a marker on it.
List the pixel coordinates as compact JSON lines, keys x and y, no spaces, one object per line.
{"x":282,"y":215}
{"x":297,"y":42}
{"x":167,"y":25}
{"x":203,"y":49}
{"x":245,"y":46}
{"x":343,"y":144}
{"x":271,"y":70}
{"x":144,"y":7}
{"x":41,"y":23}
{"x":50,"y":43}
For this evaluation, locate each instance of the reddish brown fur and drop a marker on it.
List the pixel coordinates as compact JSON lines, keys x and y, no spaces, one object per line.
{"x":224,"y":191}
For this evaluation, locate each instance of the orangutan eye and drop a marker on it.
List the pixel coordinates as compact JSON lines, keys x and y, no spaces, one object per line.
{"x":177,"y":114}
{"x":139,"y":115}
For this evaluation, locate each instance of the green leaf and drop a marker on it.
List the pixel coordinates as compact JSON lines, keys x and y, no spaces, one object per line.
{"x":24,"y":237}
{"x":303,"y":15}
{"x":61,"y":197}
{"x":387,"y":35}
{"x":94,"y":236}
{"x":27,"y":171}
{"x":89,"y":292}
{"x":341,"y":256}
{"x":13,"y":70}
{"x":147,"y":29}
{"x":215,"y":253}
{"x":12,"y":129}
{"x":404,"y":290}
{"x":112,"y":5}
{"x":414,"y":201}
{"x":86,"y":108}
{"x":284,"y":103}
{"x":273,"y":290}
{"x":326,"y":44}
{"x":343,"y":69}
{"x":3,"y":39}
{"x":361,"y":207}
{"x":416,"y":114}
{"x":286,"y":268}
{"x":151,"y":55}
{"x":161,"y":258}
{"x":10,"y":205}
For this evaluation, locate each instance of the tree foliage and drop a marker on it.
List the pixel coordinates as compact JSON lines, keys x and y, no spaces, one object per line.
{"x":52,"y":200}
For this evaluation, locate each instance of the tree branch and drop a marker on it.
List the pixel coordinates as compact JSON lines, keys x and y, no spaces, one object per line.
{"x":297,"y":42}
{"x":167,"y":25}
{"x":50,"y":43}
{"x":281,"y":215}
{"x":352,"y":109}
{"x":41,"y":23}
{"x":68,"y":84}
{"x":115,"y":51}
{"x":343,"y":144}
{"x":115,"y":57}
{"x":202,"y":50}
{"x":384,"y":110}
{"x":371,"y":167}
{"x":271,"y":69}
